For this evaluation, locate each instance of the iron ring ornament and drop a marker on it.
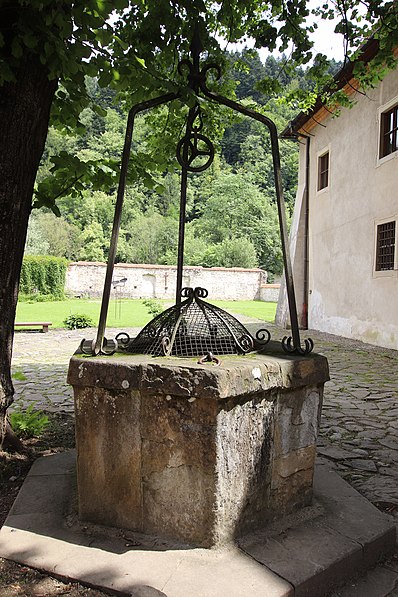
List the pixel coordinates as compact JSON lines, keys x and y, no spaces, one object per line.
{"x":192,"y":293}
{"x":123,"y":339}
{"x":209,"y":358}
{"x":194,"y":146}
{"x":187,"y":292}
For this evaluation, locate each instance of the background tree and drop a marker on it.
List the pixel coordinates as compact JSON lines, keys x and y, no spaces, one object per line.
{"x":51,"y":235}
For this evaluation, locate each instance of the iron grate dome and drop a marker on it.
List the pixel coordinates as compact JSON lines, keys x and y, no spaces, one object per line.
{"x":193,"y":328}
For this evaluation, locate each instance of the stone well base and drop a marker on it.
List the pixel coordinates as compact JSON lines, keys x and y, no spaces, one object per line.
{"x":195,"y":453}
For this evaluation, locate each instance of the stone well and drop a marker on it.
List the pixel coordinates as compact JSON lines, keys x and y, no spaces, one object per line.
{"x":195,"y":453}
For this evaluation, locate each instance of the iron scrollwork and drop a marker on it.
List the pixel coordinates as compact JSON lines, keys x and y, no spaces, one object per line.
{"x":209,"y":358}
{"x":166,"y":346}
{"x":290,"y":347}
{"x":195,"y":145}
{"x":245,"y":343}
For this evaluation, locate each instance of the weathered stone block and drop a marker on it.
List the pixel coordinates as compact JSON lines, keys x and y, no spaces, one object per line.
{"x":288,"y":465}
{"x":291,"y":479}
{"x":109,"y":456}
{"x":296,"y":419}
{"x":195,"y":453}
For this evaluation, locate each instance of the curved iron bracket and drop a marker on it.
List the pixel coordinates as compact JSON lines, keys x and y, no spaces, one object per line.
{"x":90,"y":347}
{"x":290,"y":348}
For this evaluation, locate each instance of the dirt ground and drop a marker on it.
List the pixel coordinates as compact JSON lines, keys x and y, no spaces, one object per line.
{"x":21,"y":581}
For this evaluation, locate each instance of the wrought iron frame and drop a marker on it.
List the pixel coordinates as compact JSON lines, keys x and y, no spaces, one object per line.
{"x":197,"y":81}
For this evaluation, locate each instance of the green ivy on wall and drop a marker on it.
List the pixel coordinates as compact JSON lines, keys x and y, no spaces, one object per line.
{"x":43,"y":275}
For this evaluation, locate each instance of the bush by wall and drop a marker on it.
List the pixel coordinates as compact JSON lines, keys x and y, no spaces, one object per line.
{"x":78,"y":321}
{"x":43,"y":276}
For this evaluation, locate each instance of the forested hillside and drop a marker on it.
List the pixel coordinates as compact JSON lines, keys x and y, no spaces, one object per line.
{"x":231,"y":212}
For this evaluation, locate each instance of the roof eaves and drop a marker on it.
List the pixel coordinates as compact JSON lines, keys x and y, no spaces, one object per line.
{"x":341,"y":79}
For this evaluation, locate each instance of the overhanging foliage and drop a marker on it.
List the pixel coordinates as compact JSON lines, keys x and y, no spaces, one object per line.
{"x":134,"y":48}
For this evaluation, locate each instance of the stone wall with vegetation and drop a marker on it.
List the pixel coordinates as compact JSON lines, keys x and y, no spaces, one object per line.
{"x":86,"y":279}
{"x":43,"y":275}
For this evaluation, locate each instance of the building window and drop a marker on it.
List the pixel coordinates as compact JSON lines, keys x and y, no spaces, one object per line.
{"x":323,"y":171}
{"x":389,"y":132}
{"x":385,"y":246}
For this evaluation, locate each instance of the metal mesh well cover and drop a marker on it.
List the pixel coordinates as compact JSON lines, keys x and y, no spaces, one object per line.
{"x":193,"y":328}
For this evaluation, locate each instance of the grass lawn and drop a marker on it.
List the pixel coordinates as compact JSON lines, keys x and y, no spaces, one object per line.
{"x":256,"y":309}
{"x":127,"y":313}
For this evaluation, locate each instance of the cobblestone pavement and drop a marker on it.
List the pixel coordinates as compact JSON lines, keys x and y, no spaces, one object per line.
{"x":359,"y":425}
{"x":359,"y":428}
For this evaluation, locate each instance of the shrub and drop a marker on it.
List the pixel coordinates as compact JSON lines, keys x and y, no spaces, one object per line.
{"x":29,"y":422}
{"x":154,"y":307}
{"x":43,"y":275}
{"x":77,"y":321}
{"x":237,"y":252}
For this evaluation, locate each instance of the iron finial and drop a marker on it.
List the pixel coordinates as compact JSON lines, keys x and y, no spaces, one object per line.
{"x":196,"y":47}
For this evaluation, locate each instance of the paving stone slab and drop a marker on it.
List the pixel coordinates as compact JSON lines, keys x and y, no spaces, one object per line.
{"x":352,"y":515}
{"x":362,"y":465}
{"x":390,"y":443}
{"x":376,"y":583}
{"x":335,"y":453}
{"x":360,"y":452}
{"x":35,"y":535}
{"x":47,"y":493}
{"x":184,"y":573}
{"x":62,"y":463}
{"x":145,"y":591}
{"x":350,"y":536}
{"x":346,"y":534}
{"x":312,"y":558}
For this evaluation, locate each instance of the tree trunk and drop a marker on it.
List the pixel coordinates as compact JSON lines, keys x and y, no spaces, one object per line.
{"x":24,"y":117}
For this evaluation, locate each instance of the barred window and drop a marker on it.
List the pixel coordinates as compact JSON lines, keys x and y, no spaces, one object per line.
{"x":323,"y":171}
{"x":385,"y":246}
{"x":389,"y":132}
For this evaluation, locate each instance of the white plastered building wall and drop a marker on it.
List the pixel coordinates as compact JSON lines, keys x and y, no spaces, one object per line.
{"x":347,"y":296}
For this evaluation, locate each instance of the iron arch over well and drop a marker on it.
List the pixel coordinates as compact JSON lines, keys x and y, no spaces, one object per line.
{"x":194,"y":147}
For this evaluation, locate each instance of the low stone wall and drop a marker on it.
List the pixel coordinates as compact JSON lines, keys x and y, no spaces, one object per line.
{"x":159,"y":281}
{"x":269,"y":293}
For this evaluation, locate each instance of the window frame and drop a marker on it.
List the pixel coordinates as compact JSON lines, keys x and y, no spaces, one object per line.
{"x":385,"y":109}
{"x":386,"y":272}
{"x":320,"y":173}
{"x":387,"y":130}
